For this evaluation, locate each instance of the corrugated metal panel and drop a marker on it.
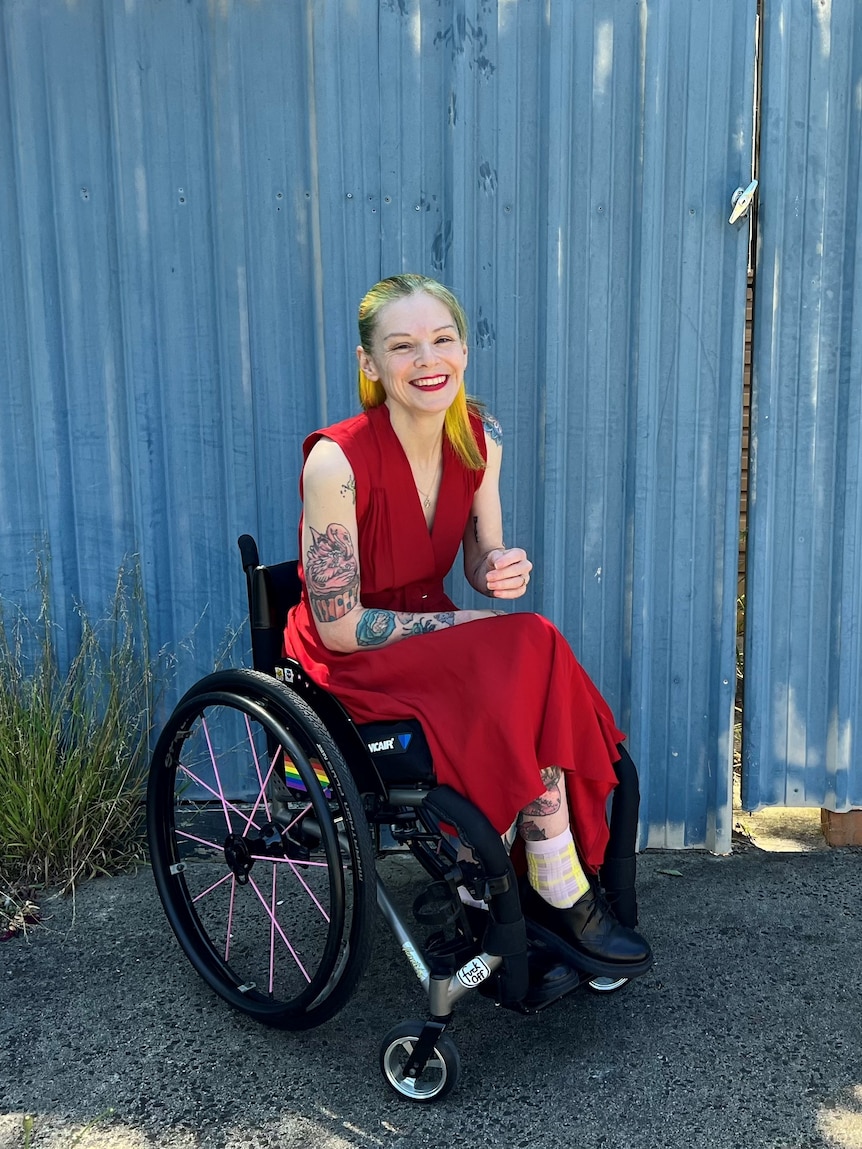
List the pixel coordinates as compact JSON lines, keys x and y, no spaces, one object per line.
{"x":194,"y":214}
{"x":689,"y":352}
{"x":804,"y":590}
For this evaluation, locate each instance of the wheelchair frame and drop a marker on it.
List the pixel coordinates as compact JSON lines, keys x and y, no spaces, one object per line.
{"x":319,"y":797}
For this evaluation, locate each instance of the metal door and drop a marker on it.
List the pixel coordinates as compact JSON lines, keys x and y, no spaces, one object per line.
{"x":803,"y":701}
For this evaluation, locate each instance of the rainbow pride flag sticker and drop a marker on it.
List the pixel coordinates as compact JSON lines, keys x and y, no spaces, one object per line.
{"x":294,"y":781}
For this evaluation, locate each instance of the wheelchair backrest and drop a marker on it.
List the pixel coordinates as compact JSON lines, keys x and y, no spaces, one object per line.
{"x":272,"y":591}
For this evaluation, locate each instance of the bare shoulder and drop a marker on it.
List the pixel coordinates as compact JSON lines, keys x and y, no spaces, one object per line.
{"x":325,"y":457}
{"x":493,"y":430}
{"x":327,"y":469}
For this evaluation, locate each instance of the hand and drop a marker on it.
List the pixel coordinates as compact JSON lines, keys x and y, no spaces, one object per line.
{"x":507,"y":572}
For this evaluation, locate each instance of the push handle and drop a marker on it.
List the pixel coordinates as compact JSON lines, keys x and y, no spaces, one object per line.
{"x":248,"y":550}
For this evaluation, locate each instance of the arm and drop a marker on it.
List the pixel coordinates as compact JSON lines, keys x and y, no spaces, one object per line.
{"x":331,"y":564}
{"x":489,"y":566}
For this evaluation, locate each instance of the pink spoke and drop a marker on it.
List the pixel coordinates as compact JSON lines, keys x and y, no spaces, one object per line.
{"x":293,"y":952}
{"x":214,"y":886}
{"x":263,"y":785}
{"x":202,"y":841}
{"x":230,"y":919}
{"x":272,"y":933}
{"x":262,"y":791}
{"x":217,"y":775}
{"x":301,"y":814}
{"x":286,"y":861}
{"x":306,"y":887}
{"x":216,"y":794}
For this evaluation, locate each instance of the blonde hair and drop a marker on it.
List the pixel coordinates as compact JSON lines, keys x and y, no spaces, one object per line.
{"x":371,"y":393}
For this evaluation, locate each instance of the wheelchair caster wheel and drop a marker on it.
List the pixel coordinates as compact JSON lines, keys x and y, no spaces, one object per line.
{"x":440,"y":1073}
{"x":607,"y":984}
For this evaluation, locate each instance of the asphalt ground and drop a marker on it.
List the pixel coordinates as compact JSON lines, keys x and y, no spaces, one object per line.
{"x":747,"y":1032}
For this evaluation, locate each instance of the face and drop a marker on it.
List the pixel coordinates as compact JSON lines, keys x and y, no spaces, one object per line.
{"x":417,"y":354}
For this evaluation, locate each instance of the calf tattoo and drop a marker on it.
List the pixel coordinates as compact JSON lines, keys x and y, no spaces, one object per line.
{"x":543,"y":806}
{"x":331,"y":573}
{"x":550,"y":775}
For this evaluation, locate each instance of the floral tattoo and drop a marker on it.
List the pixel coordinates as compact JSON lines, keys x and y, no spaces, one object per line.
{"x":375,"y":626}
{"x":427,"y":625}
{"x":332,"y":573}
{"x":492,"y":428}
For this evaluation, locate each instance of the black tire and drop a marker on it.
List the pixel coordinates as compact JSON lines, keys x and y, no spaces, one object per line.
{"x":441,"y":1072}
{"x":266,"y":876}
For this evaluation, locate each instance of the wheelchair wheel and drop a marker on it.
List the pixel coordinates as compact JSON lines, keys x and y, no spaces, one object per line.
{"x":260,"y":850}
{"x":607,"y":984}
{"x":441,"y":1072}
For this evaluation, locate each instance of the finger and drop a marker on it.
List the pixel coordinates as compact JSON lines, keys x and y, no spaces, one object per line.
{"x":510,"y":558}
{"x":513,"y":576}
{"x":512,"y":586}
{"x":509,"y":594}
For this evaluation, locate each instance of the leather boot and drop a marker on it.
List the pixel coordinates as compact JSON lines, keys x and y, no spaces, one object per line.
{"x":588,"y":927}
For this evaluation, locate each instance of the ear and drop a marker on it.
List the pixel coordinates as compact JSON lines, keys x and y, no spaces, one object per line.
{"x":366,"y":364}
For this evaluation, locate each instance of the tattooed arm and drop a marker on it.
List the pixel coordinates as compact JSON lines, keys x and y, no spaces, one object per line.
{"x":331,"y":564}
{"x":489,"y":566}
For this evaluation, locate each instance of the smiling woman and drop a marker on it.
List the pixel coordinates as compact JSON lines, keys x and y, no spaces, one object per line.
{"x":389,"y":497}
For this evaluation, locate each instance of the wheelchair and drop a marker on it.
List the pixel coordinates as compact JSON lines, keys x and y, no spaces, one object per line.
{"x":267,"y":811}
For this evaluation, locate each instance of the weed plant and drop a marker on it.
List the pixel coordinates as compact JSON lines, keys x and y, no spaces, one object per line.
{"x":74,"y":743}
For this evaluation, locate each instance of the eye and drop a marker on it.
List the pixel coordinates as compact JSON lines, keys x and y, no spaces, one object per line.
{"x":400,"y":347}
{"x":445,"y":339}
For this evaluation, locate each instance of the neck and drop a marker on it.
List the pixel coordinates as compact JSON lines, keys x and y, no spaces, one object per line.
{"x":421,"y":437}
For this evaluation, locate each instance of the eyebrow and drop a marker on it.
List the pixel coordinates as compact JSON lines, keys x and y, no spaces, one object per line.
{"x":407,"y":335}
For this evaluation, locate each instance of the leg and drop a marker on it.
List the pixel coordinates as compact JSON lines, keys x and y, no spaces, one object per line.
{"x":553,"y":866}
{"x":561,"y":896}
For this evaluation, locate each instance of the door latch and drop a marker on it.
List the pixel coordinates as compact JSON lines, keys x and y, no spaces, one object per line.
{"x":741,"y":201}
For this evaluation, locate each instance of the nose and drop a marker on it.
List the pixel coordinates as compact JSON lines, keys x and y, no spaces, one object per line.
{"x":425,"y":353}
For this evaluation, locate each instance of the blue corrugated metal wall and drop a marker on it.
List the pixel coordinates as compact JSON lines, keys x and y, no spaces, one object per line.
{"x":803,"y":702}
{"x":193,"y":199}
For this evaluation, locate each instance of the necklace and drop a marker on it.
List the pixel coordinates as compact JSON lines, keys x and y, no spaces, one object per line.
{"x":426,"y":499}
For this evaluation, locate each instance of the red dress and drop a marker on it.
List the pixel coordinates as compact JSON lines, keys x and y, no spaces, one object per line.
{"x":498,"y":698}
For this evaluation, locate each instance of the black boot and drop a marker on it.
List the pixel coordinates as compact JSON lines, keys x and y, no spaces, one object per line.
{"x":589,"y":930}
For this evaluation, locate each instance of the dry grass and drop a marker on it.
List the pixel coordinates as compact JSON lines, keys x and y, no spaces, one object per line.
{"x":73,"y":743}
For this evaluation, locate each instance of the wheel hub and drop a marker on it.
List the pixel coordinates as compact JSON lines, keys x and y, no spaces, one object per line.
{"x":240,"y":852}
{"x":237,"y":854}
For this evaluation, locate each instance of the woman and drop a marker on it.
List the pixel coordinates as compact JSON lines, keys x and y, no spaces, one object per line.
{"x":512,"y":720}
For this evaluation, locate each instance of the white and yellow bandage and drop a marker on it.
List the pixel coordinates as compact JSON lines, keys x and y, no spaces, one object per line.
{"x":555,"y":871}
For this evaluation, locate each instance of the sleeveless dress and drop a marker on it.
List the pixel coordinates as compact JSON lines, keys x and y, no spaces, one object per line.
{"x":499,"y":698}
